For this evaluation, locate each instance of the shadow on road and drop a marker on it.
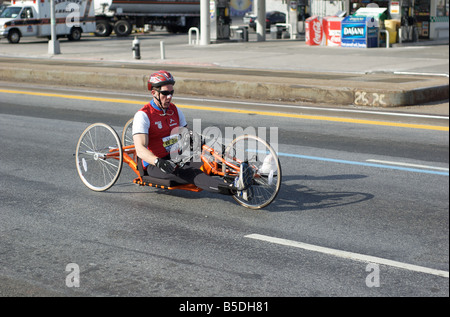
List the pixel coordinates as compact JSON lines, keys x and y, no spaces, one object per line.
{"x":291,"y":197}
{"x":297,"y":197}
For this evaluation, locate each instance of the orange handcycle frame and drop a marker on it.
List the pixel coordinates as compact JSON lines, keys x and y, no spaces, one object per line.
{"x":213,"y":163}
{"x":210,"y":167}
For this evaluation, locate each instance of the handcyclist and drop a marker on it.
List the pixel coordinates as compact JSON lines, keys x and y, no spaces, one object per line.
{"x":154,"y":135}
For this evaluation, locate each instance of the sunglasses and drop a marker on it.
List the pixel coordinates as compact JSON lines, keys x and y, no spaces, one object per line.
{"x":166,"y":92}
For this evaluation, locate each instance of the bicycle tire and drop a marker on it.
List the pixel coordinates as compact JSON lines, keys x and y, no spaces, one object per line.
{"x":97,"y":168}
{"x":127,"y":133}
{"x":266,"y":181}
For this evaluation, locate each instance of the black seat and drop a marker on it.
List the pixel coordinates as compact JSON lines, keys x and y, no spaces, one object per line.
{"x":153,"y":181}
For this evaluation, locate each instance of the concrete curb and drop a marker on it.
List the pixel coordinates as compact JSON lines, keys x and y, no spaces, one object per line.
{"x":234,"y":88}
{"x":73,"y":78}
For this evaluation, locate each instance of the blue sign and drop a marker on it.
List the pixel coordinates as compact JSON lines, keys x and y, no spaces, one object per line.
{"x":354,"y":31}
{"x":358,"y":32}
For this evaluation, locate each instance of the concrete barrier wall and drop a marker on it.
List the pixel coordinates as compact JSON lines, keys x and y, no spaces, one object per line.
{"x":251,"y":90}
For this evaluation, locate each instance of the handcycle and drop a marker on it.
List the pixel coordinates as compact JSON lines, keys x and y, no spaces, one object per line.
{"x":100,"y":154}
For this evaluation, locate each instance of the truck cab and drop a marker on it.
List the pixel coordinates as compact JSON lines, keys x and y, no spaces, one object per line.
{"x":16,"y":21}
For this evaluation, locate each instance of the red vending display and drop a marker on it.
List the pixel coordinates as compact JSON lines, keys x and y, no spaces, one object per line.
{"x":313,"y":31}
{"x":332,"y":30}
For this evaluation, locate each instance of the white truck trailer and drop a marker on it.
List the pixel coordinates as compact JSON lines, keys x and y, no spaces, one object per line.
{"x":121,"y":16}
{"x":32,"y":18}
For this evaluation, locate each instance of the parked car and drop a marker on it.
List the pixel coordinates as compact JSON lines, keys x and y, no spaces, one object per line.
{"x":247,"y":17}
{"x":272,"y":17}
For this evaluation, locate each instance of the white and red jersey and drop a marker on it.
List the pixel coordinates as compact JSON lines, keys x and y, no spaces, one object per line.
{"x":151,"y":120}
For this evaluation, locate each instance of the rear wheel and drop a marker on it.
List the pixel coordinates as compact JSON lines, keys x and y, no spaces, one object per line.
{"x":122,"y":28}
{"x":99,"y":157}
{"x":75,"y":34}
{"x":127,"y":134}
{"x":103,"y":28}
{"x":263,"y":159}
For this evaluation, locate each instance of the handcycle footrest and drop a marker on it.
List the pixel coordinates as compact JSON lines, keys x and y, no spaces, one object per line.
{"x":164,"y":184}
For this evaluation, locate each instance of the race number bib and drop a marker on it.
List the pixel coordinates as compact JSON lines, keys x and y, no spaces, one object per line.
{"x":170,"y":143}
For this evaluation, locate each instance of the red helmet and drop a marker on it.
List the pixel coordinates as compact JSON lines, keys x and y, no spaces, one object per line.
{"x":159,"y":79}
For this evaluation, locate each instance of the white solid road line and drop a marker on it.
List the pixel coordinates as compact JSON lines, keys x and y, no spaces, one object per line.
{"x":348,"y":255}
{"x":410,"y":165}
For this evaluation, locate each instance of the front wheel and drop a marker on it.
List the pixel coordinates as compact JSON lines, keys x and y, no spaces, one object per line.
{"x":99,"y":157}
{"x":263,"y":160}
{"x":14,"y":36}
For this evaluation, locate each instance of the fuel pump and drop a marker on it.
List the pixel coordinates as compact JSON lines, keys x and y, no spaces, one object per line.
{"x":302,"y":10}
{"x":220,"y":19}
{"x":302,"y":15}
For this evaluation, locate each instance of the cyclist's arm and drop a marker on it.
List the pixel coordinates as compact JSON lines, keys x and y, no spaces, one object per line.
{"x":141,"y":124}
{"x":140,"y":143}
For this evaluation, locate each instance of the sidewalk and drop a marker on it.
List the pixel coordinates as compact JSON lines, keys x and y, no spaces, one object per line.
{"x":277,"y":70}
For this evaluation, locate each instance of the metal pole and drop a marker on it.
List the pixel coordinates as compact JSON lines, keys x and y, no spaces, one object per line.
{"x":293,"y":19}
{"x":53,"y":44}
{"x":260,"y":20}
{"x":205,"y":24}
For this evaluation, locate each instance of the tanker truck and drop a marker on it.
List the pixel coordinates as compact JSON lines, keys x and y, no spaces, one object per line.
{"x":121,"y":16}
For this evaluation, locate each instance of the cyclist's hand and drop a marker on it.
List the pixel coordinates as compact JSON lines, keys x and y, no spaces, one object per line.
{"x":197,"y":140}
{"x":190,"y":141}
{"x":166,"y":166}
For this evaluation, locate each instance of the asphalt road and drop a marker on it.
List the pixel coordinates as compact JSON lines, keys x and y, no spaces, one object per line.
{"x":376,"y":189}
